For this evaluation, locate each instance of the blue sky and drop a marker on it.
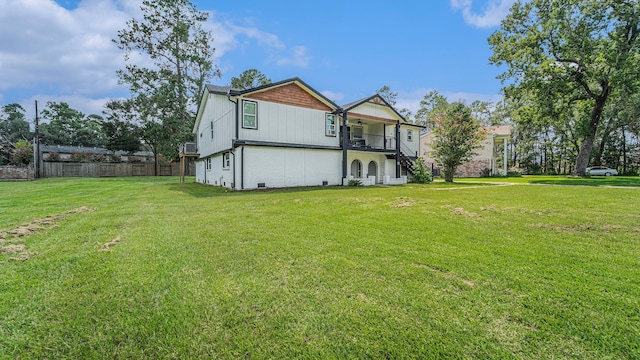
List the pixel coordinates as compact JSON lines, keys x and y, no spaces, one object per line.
{"x":61,"y":50}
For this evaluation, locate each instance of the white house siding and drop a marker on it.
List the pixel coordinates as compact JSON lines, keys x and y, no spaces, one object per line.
{"x":217,"y":175}
{"x":374,"y":110}
{"x":221,"y":112}
{"x":382,"y":165}
{"x":410,"y":148}
{"x":289,"y":124}
{"x":286,"y":167}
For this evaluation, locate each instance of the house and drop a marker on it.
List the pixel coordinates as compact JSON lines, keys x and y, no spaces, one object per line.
{"x":287,"y":134}
{"x":490,"y":158}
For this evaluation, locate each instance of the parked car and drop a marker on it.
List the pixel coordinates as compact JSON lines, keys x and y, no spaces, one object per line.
{"x":601,"y":171}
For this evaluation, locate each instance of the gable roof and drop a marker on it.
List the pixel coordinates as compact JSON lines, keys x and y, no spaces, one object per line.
{"x":374,"y":99}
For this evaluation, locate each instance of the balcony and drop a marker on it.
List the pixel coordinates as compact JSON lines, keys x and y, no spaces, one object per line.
{"x":371,"y":142}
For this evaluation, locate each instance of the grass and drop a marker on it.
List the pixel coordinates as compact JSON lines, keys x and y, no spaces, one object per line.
{"x":624,"y":181}
{"x":150,"y":268}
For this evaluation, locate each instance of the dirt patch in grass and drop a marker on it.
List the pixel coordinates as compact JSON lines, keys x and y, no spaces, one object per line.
{"x":106,"y":247}
{"x":18,"y":233}
{"x":461,"y":211}
{"x":402,"y":202}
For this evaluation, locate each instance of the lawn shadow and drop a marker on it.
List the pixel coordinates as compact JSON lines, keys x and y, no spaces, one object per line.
{"x":624,"y":181}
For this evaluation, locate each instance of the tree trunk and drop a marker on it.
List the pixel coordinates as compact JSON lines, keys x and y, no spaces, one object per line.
{"x":582,"y":161}
{"x":448,"y":173}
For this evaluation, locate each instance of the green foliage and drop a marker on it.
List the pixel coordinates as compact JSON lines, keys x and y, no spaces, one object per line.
{"x":53,"y":156}
{"x":249,"y":79}
{"x":68,"y":126}
{"x":13,"y":124}
{"x":456,"y":137}
{"x":421,"y":174}
{"x":22,"y":153}
{"x":355,"y":182}
{"x":567,"y":57}
{"x":120,"y":130}
{"x":165,"y":95}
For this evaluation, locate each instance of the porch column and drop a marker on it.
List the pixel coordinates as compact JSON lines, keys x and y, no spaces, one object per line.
{"x":398,"y":169}
{"x":505,"y":157}
{"x":344,"y":144}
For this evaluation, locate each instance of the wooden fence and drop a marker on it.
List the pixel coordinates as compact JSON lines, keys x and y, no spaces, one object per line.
{"x":92,"y":169}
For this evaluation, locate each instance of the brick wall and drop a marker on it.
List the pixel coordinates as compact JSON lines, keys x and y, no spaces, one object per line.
{"x":13,"y":173}
{"x":473,"y":168}
{"x":290,"y":94}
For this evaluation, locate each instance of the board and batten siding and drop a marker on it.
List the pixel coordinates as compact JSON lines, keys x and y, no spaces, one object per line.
{"x":410,"y":146}
{"x":284,"y":167}
{"x":375,"y":110}
{"x":221,"y":112}
{"x":289,"y":124}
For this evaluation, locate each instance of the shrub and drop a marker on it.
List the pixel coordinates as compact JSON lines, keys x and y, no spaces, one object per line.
{"x":421,"y":174}
{"x":486,"y":172}
{"x":134,"y":159}
{"x":79,"y":157}
{"x":22,"y":154}
{"x":514,"y":172}
{"x":355,"y":182}
{"x":96,"y":158}
{"x":54,"y":156}
{"x":116,"y":158}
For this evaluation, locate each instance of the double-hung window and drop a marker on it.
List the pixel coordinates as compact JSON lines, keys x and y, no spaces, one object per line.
{"x":208,"y":164}
{"x":211,"y":125}
{"x":409,"y":135}
{"x":330,"y":125}
{"x":226,"y":160}
{"x":249,"y":114}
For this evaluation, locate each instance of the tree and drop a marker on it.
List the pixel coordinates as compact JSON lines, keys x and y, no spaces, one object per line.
{"x":432,"y":106}
{"x":13,"y":123}
{"x":567,"y":51}
{"x":68,"y":126}
{"x":120,"y":130}
{"x":456,"y":136}
{"x":165,"y":95}
{"x":390,"y":97}
{"x":249,"y":79}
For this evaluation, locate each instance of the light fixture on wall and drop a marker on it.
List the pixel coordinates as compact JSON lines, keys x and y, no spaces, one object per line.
{"x":359,"y":122}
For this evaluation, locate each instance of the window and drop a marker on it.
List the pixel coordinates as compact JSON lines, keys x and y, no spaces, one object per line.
{"x":226,"y":160}
{"x":330,"y":127}
{"x":409,"y":135}
{"x":357,"y":132}
{"x":249,"y":114}
{"x":211,"y":129}
{"x":208,"y":165}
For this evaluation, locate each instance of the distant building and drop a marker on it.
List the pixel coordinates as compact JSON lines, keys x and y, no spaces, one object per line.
{"x":485,"y":162}
{"x":66,"y":153}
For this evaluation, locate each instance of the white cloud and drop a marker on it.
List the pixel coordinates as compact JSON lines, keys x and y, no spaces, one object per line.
{"x":297,"y":57}
{"x":48,"y":49}
{"x":336,"y":97}
{"x":492,"y":13}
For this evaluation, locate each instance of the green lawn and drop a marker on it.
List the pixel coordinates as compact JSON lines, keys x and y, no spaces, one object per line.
{"x":149,"y":268}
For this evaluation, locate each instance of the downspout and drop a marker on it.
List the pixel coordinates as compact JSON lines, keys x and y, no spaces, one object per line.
{"x":398,"y":169}
{"x":237,"y":119}
{"x":345,"y":122}
{"x":242,"y":168}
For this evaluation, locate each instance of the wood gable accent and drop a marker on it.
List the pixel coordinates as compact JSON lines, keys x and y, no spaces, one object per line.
{"x":290,"y":94}
{"x":376,"y":100}
{"x":370,"y":117}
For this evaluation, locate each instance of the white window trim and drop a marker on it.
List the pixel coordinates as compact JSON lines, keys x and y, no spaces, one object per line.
{"x":409,"y":135}
{"x":328,"y":132}
{"x":226,"y":161}
{"x":211,"y":124}
{"x":255,"y":115}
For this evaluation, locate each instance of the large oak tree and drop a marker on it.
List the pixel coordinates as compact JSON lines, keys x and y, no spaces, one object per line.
{"x":561,"y":54}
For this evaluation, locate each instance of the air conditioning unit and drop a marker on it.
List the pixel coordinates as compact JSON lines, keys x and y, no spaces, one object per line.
{"x":190,"y":148}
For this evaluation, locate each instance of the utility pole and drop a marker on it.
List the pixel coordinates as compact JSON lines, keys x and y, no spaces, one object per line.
{"x":36,"y":148}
